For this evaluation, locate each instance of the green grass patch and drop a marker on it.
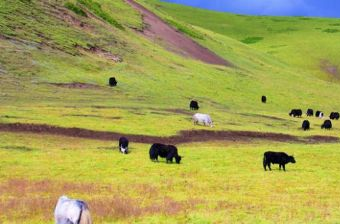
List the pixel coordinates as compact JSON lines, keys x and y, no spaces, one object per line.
{"x":216,"y":182}
{"x":185,"y":29}
{"x":75,"y":9}
{"x":251,"y":40}
{"x":331,"y":31}
{"x":96,"y":8}
{"x":334,"y":24}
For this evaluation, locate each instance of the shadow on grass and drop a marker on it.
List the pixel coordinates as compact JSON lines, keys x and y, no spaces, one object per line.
{"x":17,"y":148}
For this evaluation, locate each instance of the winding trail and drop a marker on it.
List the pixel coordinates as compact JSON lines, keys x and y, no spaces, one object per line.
{"x":187,"y":136}
{"x":156,"y":29}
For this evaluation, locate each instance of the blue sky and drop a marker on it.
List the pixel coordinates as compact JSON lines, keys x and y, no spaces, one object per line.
{"x":315,"y":8}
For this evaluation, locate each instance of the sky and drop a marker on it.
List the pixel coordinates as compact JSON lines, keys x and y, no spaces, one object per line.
{"x":311,"y":8}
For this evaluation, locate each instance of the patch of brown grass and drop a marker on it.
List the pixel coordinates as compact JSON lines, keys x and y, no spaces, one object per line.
{"x":24,"y":199}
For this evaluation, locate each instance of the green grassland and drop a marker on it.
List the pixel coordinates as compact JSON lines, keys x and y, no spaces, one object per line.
{"x":48,"y":42}
{"x":299,"y":42}
{"x":216,"y":183}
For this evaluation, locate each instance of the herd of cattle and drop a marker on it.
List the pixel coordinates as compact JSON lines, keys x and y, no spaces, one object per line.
{"x":170,"y":152}
{"x":327,"y":124}
{"x":73,"y":211}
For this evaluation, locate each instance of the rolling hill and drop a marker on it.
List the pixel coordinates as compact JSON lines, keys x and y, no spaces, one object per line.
{"x":40,"y":63}
{"x":60,"y":120}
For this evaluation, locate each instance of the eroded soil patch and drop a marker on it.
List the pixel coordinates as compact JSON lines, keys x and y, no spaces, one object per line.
{"x":101,"y":53}
{"x":186,"y":136}
{"x":330,"y":69}
{"x":76,"y":85}
{"x":158,"y":30}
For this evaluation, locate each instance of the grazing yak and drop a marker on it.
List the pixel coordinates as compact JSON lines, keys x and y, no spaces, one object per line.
{"x":124,"y":145}
{"x":71,"y":211}
{"x":264,"y":99}
{"x":310,"y":113}
{"x":202,"y":118}
{"x":112,"y":81}
{"x":319,"y":114}
{"x":280,"y":158}
{"x":295,"y":113}
{"x":334,"y":116}
{"x":165,"y":151}
{"x":327,"y":124}
{"x":194,"y":105}
{"x":305,"y":125}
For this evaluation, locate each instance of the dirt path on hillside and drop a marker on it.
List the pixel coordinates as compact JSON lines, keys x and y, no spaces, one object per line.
{"x":183,"y":136}
{"x":159,"y":31}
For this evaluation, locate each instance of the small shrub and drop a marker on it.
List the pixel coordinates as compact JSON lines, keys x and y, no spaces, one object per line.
{"x":251,"y":40}
{"x":75,"y":9}
{"x":335,"y":24}
{"x":331,"y":30}
{"x":185,"y":29}
{"x":96,"y":8}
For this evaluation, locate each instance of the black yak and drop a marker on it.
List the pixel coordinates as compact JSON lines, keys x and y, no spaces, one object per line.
{"x":194,"y":105}
{"x":305,"y":125}
{"x":165,"y":151}
{"x":319,"y":114}
{"x":112,"y":81}
{"x":280,"y":158}
{"x":295,"y":113}
{"x":327,"y":124}
{"x":123,"y":145}
{"x":334,"y":116}
{"x":310,"y":112}
{"x":264,"y":99}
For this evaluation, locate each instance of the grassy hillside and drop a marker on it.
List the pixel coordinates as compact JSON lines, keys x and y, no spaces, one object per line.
{"x":151,"y":80}
{"x":310,"y":45}
{"x":55,"y":62}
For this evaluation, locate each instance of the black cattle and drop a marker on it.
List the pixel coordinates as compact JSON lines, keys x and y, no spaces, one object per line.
{"x":310,"y":112}
{"x":334,"y":116}
{"x":194,"y":105}
{"x":305,"y":125}
{"x":327,"y":124}
{"x":264,"y":99}
{"x":124,"y":145}
{"x":165,"y":151}
{"x":280,"y":158}
{"x":295,"y":113}
{"x":112,"y":81}
{"x":319,"y":114}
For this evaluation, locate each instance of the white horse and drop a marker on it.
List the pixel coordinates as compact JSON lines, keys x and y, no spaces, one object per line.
{"x":71,"y":211}
{"x":202,"y":118}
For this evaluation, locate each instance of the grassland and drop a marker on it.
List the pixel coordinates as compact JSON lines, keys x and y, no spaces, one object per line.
{"x":217,"y":182}
{"x":300,"y":42}
{"x":47,"y":43}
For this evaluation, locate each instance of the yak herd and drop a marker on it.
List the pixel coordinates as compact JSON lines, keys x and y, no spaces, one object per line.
{"x":71,"y":211}
{"x":327,"y":124}
{"x":170,"y":152}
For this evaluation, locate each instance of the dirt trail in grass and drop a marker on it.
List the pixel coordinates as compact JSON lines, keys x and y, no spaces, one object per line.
{"x":158,"y":30}
{"x":183,"y":136}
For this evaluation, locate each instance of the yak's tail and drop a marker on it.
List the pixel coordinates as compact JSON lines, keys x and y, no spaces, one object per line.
{"x":85,"y":217}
